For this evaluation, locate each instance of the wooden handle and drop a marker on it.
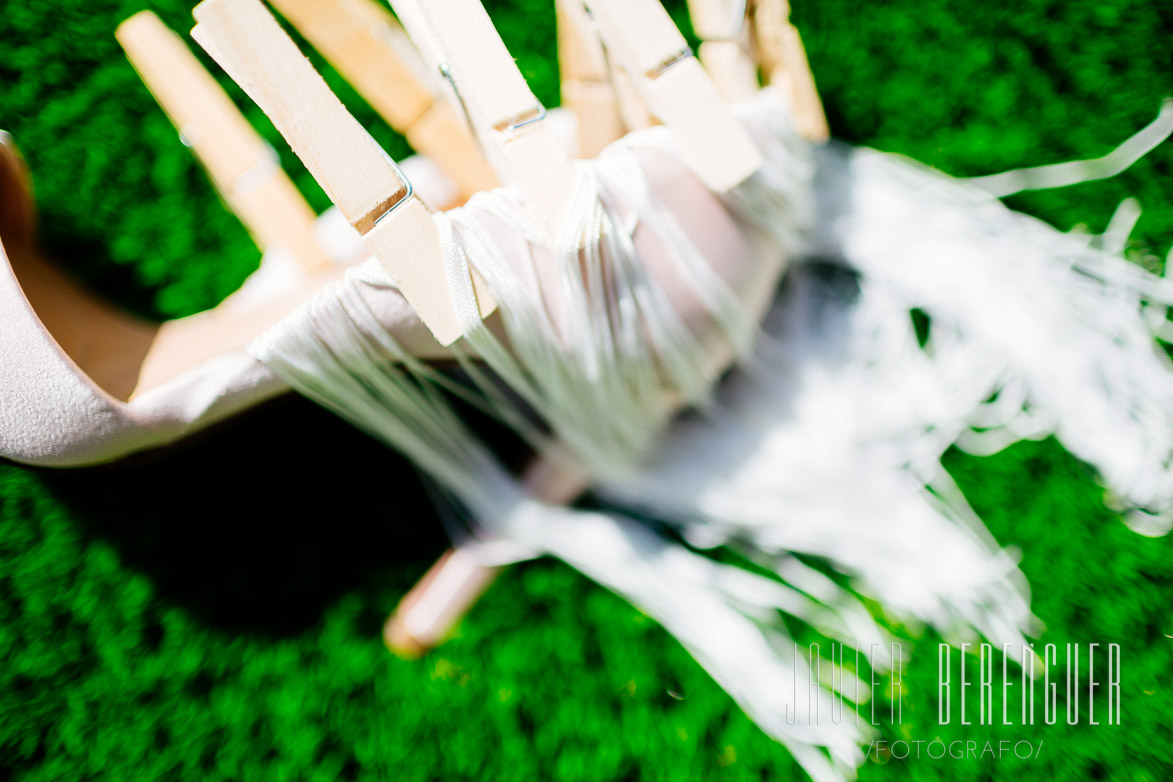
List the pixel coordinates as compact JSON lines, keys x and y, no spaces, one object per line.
{"x":350,"y":166}
{"x":241,"y":165}
{"x":362,"y":40}
{"x":644,"y":41}
{"x":360,"y":178}
{"x":458,"y":38}
{"x":435,"y":605}
{"x":724,"y":50}
{"x":786,"y":67}
{"x":428,"y":612}
{"x":586,"y":80}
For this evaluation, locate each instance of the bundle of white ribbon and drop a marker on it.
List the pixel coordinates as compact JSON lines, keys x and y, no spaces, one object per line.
{"x":825,"y":440}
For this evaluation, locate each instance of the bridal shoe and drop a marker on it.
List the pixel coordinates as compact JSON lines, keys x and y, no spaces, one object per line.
{"x":83,"y":383}
{"x":650,"y":256}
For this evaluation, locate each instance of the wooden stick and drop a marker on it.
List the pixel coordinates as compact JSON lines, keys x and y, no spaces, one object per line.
{"x":362,"y":181}
{"x":457,"y":38}
{"x":724,"y":49}
{"x":427,"y":614}
{"x":241,"y":165}
{"x":587,"y":88}
{"x":644,"y":41}
{"x":367,"y":46}
{"x":786,"y":66}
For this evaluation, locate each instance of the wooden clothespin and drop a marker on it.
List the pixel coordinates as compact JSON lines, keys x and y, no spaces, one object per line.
{"x":358,"y":176}
{"x":587,"y":85}
{"x":602,"y":96}
{"x":242,"y":166}
{"x":642,"y":39}
{"x":457,"y":38}
{"x":724,"y":50}
{"x":786,"y":67}
{"x":362,"y":40}
{"x":632,"y":108}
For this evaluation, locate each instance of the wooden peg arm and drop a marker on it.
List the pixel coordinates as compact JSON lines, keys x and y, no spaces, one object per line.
{"x":587,"y":88}
{"x":724,"y":49}
{"x":786,"y":67}
{"x":362,"y":181}
{"x":458,"y":37}
{"x":241,"y":165}
{"x":641,"y":36}
{"x":362,"y":40}
{"x":350,"y":166}
{"x":427,"y":614}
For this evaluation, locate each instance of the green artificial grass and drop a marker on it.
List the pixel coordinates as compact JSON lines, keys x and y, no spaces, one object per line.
{"x":215,"y":614}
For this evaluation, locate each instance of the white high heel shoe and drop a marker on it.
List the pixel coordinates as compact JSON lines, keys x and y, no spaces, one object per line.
{"x":83,"y":383}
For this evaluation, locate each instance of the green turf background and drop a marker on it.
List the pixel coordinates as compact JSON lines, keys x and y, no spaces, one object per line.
{"x":215,"y":615}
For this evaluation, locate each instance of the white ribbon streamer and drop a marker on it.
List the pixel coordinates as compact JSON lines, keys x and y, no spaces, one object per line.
{"x":826,"y":442}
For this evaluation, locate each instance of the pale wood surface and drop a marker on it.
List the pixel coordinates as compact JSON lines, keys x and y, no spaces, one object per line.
{"x":725,"y":46}
{"x":580,"y":53}
{"x":455,"y":582}
{"x":717,"y":19}
{"x":358,"y":37}
{"x":354,"y":171}
{"x":277,"y":215}
{"x":596,"y":108}
{"x":586,"y":81}
{"x":459,"y":36}
{"x":349,"y":165}
{"x":632,"y":108}
{"x":784,"y":61}
{"x":641,"y":36}
{"x":464,"y":39}
{"x":711,"y":141}
{"x":444,"y":137}
{"x":731,"y":69}
{"x":408,"y":245}
{"x":241,"y":165}
{"x":365,"y":43}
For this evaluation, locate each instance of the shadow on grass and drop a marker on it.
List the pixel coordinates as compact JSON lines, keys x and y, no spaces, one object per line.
{"x":259,"y":526}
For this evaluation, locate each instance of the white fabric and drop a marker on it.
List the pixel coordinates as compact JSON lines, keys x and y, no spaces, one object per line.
{"x":826,"y":443}
{"x":600,"y":349}
{"x":52,"y":415}
{"x":626,"y":331}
